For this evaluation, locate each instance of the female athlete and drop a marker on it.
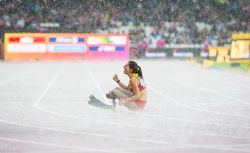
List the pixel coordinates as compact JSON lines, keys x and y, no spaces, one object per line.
{"x":133,"y":95}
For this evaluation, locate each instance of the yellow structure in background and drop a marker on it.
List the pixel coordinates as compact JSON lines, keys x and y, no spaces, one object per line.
{"x":221,"y":53}
{"x":239,"y":49}
{"x":207,"y":63}
{"x":1,"y":49}
{"x":240,"y":46}
{"x":238,"y":52}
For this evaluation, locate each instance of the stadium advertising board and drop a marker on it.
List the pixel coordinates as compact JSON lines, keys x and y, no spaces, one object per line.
{"x":108,"y":46}
{"x":38,"y":46}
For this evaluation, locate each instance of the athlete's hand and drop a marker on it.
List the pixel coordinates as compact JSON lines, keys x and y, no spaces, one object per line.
{"x":115,"y":78}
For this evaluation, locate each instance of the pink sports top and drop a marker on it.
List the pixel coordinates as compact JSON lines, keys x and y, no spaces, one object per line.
{"x":141,"y":85}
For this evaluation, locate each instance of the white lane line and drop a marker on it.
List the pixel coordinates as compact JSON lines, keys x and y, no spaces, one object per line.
{"x":228,"y":82}
{"x":13,"y":79}
{"x":40,"y":143}
{"x":184,"y":145}
{"x":152,"y":149}
{"x":188,"y":146}
{"x":88,"y":133}
{"x":203,"y":89}
{"x":100,"y":135}
{"x":57,"y":145}
{"x":97,"y":85}
{"x":58,"y":73}
{"x":123,"y":138}
{"x":146,"y":128}
{"x":193,"y":108}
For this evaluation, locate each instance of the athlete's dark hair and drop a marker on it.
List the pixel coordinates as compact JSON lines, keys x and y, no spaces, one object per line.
{"x":135,"y":68}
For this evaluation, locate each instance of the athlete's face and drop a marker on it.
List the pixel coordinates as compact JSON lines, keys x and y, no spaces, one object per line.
{"x":127,"y":70}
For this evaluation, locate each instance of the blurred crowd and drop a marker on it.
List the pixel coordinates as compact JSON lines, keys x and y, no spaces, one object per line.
{"x":149,"y":22}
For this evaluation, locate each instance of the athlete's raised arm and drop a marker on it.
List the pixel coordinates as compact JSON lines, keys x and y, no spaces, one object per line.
{"x":122,"y":85}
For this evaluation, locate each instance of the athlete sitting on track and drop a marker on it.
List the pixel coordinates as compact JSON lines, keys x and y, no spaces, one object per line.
{"x":133,"y":96}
